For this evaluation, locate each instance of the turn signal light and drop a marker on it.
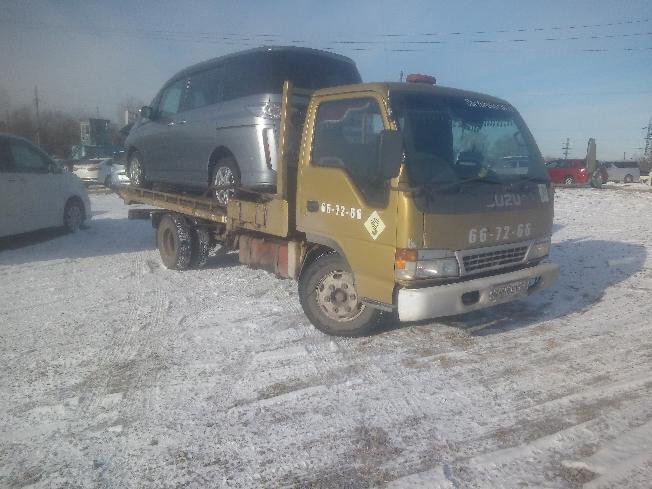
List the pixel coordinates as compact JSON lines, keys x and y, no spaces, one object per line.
{"x":404,"y":256}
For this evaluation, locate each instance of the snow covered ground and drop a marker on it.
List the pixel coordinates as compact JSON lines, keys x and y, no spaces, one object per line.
{"x":115,"y":372}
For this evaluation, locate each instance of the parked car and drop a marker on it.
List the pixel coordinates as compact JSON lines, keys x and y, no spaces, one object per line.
{"x":622,"y":171}
{"x":35,"y":192}
{"x":568,"y":171}
{"x":118,"y":175}
{"x":216,"y":123}
{"x":93,"y":164}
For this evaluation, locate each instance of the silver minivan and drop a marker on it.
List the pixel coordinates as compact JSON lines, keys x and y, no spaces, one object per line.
{"x":622,"y":171}
{"x":215,"y":124}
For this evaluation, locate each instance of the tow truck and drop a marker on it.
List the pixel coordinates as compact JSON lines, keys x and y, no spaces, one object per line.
{"x":390,"y":198}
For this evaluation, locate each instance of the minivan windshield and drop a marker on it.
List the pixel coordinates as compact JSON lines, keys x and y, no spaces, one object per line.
{"x":451,"y":140}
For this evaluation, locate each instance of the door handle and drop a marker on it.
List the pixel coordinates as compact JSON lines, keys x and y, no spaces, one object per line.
{"x":312,"y":206}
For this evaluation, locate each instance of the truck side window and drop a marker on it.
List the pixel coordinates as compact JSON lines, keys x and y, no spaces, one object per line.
{"x":347,"y":134}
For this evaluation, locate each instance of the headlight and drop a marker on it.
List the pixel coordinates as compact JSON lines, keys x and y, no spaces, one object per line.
{"x":539,"y":249}
{"x":419,"y":264}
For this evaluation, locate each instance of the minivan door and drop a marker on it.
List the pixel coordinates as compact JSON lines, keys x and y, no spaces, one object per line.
{"x":341,"y":202}
{"x":161,"y":134}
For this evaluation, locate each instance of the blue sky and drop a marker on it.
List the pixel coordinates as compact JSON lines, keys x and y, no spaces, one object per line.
{"x":85,"y":54}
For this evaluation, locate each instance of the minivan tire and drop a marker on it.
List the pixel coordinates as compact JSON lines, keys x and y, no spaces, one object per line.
{"x":224,"y":172}
{"x":137,"y":176}
{"x":331,"y":272}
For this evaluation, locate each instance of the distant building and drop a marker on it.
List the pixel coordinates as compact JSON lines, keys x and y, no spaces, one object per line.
{"x":95,"y":132}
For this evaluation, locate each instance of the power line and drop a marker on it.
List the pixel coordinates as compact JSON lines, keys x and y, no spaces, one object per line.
{"x":353,"y":44}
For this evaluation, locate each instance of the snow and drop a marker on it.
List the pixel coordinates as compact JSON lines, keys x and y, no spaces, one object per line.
{"x":116,"y":372}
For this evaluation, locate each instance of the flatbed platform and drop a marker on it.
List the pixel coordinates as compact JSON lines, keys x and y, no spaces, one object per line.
{"x":197,"y":206}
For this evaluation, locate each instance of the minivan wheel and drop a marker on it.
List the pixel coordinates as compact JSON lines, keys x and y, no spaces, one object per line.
{"x":628,"y":178}
{"x":569,"y":180}
{"x":225,"y":172}
{"x":136,"y":170}
{"x":73,"y":216}
{"x":329,"y":298}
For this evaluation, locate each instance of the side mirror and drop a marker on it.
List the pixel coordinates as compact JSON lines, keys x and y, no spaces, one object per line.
{"x":146,"y":112}
{"x":390,"y":153}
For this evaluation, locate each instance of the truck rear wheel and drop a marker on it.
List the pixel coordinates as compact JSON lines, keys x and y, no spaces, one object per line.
{"x":174,"y":242}
{"x":201,"y":244}
{"x":329,"y":299}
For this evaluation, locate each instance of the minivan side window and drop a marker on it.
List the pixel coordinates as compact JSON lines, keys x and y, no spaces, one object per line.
{"x":6,"y":161}
{"x":346,"y":136}
{"x":205,"y":88}
{"x":171,"y":99}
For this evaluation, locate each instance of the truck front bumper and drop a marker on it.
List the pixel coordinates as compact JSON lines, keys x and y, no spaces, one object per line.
{"x":462,"y":297}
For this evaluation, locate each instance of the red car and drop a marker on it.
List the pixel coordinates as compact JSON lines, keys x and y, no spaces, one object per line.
{"x":574,"y":172}
{"x":568,"y":172}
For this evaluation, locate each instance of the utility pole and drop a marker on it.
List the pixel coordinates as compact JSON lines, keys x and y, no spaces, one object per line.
{"x":566,"y":147}
{"x":401,"y":77}
{"x":38,"y":119}
{"x":648,"y":142}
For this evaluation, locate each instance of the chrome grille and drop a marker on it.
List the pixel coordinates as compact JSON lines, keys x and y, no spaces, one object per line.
{"x":480,"y":260}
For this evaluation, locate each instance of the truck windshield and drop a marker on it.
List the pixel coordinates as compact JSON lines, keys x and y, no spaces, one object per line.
{"x":458,"y":139}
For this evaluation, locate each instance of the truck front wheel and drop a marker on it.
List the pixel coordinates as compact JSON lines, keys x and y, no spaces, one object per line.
{"x":329,"y":299}
{"x":174,"y":242}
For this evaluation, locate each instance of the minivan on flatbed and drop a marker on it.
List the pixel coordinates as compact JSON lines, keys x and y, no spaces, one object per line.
{"x":216,"y":123}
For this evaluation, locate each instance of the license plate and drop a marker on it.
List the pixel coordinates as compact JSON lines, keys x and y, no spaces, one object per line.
{"x":510,"y":289}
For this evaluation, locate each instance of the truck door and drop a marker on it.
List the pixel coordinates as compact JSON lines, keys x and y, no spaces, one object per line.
{"x":341,"y":201}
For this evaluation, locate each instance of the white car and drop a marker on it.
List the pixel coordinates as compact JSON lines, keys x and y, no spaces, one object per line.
{"x":35,"y":193}
{"x":118,"y":175}
{"x":103,"y":171}
{"x":623,"y":171}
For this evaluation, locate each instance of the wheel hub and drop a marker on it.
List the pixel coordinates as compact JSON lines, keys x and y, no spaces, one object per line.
{"x":337,"y":297}
{"x":223,"y":176}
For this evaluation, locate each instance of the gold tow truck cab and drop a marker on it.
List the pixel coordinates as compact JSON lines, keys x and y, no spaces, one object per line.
{"x":391,"y":197}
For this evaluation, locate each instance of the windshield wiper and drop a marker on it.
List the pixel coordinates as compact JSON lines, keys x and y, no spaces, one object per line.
{"x":525,"y":178}
{"x":464,"y":181}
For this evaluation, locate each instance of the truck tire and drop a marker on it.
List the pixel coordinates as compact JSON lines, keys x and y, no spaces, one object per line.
{"x":569,"y":180}
{"x":225,"y":172}
{"x":174,"y":242}
{"x":201,"y":243}
{"x":329,"y":299}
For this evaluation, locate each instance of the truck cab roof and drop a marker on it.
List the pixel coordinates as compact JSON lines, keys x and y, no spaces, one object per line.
{"x":404,"y":87}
